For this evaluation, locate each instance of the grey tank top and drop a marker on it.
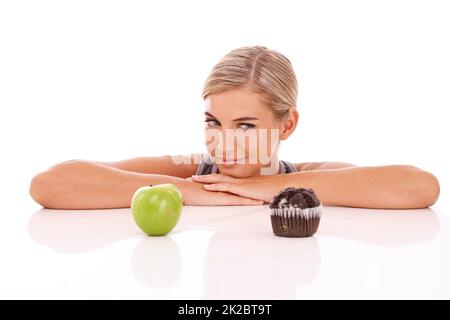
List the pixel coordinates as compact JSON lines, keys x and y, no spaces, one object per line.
{"x":207,"y":166}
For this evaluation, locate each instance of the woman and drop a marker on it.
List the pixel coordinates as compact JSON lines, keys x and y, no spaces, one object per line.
{"x":250,"y":96}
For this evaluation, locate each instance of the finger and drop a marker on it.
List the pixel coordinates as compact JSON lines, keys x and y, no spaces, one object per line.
{"x":217,"y":187}
{"x":231,"y":200}
{"x":211,"y":178}
{"x":234,"y":188}
{"x":206,"y":178}
{"x":227,"y":187}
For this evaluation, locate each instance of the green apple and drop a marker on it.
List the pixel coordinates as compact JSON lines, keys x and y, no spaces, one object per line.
{"x":156,"y":209}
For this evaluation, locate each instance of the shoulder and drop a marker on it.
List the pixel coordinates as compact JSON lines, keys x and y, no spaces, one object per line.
{"x":304,"y":166}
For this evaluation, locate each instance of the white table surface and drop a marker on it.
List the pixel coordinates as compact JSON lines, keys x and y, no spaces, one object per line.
{"x":224,"y":252}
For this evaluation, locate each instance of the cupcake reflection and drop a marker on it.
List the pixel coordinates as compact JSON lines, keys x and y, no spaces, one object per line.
{"x":242,"y":264}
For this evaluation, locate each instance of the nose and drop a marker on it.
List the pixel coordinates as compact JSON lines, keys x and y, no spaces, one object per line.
{"x":229,"y":149}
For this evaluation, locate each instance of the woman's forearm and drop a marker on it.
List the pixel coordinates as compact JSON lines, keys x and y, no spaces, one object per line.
{"x":88,"y":185}
{"x":393,"y":187}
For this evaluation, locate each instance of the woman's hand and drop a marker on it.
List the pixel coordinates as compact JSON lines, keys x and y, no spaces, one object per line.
{"x":261,"y":187}
{"x":194,"y":194}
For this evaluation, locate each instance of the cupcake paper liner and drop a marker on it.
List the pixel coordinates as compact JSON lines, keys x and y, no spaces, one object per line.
{"x":295,"y":222}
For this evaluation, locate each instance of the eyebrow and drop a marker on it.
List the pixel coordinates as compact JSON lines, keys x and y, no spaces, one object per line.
{"x":238,"y":119}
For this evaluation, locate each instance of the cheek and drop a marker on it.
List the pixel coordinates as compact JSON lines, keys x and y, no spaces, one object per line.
{"x":266,"y":142}
{"x":252,"y":143}
{"x":272,"y":139}
{"x":211,"y":139}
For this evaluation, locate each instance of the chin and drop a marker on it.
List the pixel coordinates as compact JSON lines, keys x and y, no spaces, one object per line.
{"x":235,"y":171}
{"x":229,"y":169}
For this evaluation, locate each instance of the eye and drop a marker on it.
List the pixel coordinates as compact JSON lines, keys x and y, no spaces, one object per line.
{"x":246,"y":126}
{"x":211,"y":122}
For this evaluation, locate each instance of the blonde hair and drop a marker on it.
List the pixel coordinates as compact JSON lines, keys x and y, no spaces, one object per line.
{"x":265,"y":72}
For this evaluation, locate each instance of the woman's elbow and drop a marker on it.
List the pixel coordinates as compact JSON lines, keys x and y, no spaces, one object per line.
{"x":46,"y":187}
{"x":426,"y":188}
{"x":39,"y":189}
{"x":433,"y":188}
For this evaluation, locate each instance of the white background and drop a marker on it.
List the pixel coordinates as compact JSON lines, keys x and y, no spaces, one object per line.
{"x":109,"y":80}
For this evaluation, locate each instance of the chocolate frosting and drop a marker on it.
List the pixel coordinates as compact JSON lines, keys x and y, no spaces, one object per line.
{"x":295,"y":197}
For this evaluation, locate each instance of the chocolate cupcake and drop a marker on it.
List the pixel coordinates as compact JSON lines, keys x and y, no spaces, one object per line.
{"x":295,"y":212}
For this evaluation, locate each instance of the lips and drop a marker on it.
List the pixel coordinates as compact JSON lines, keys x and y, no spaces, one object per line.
{"x":230,"y":161}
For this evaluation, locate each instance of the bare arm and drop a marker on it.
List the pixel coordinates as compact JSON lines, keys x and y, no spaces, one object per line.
{"x":82,"y":184}
{"x":166,"y":165}
{"x":381,"y":187}
{"x":393,"y":186}
{"x":303,"y":166}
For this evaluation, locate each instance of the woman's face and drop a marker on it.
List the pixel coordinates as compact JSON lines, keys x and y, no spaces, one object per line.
{"x":242,"y":135}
